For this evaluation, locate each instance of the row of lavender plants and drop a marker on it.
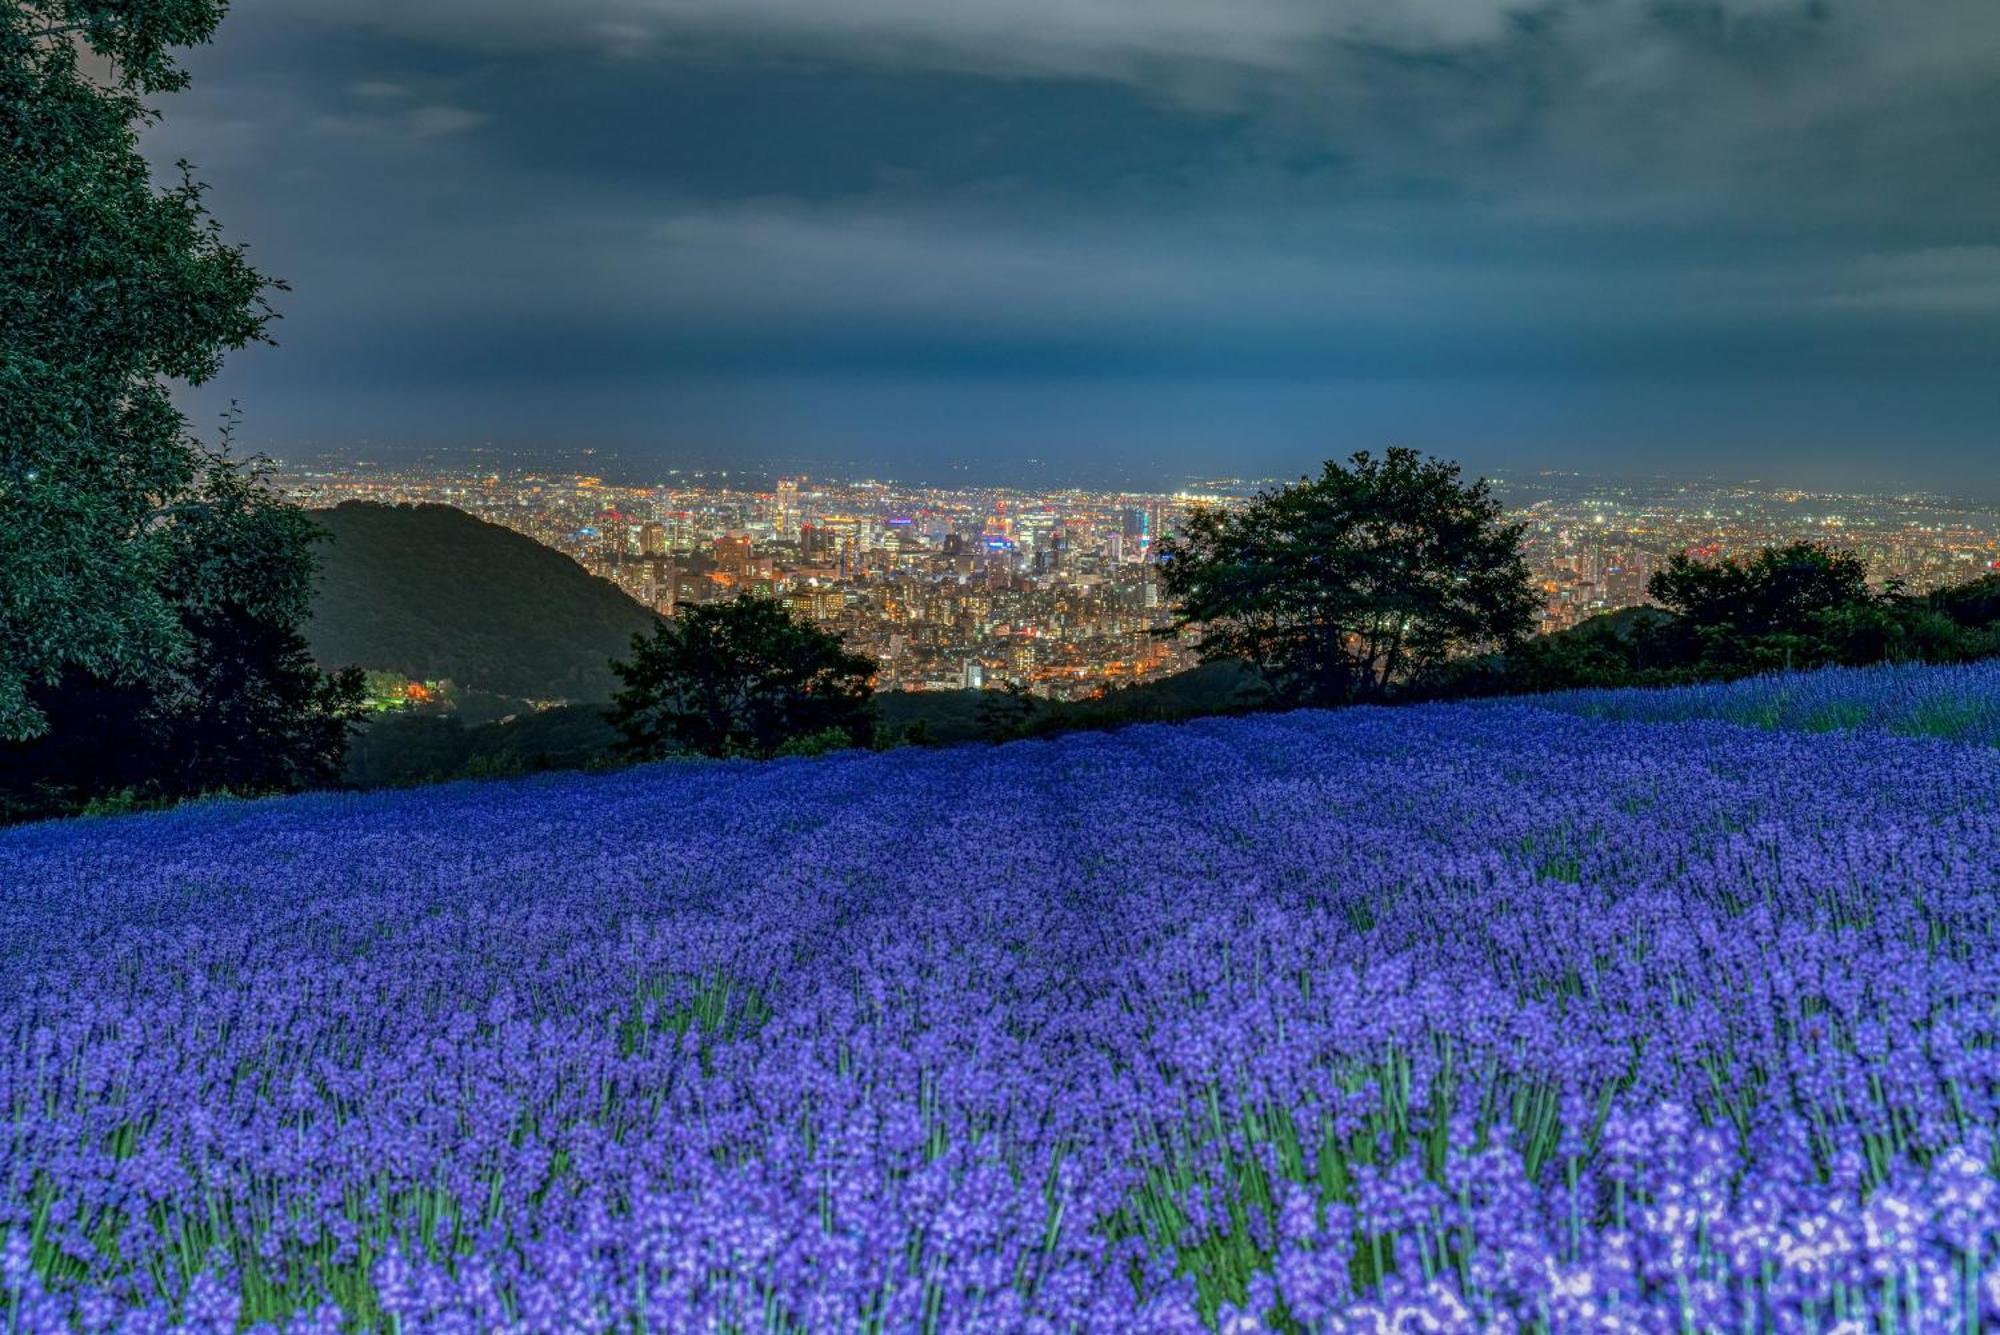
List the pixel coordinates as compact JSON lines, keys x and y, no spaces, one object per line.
{"x":1906,"y":700}
{"x":1484,"y":1017}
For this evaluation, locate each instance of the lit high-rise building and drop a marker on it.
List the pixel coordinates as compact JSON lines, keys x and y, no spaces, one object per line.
{"x":732,"y":554}
{"x":1138,"y":533}
{"x":786,"y":519}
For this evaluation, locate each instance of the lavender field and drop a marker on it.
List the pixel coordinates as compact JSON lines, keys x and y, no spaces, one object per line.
{"x":1500,"y":1017}
{"x":1953,"y":703}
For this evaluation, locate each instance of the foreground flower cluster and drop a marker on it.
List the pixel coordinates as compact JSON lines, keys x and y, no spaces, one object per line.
{"x":1486,"y":1017}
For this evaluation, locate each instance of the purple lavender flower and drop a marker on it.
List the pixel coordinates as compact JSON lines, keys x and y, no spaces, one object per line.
{"x":1600,"y":1013}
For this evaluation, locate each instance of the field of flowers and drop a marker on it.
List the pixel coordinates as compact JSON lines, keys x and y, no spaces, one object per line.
{"x":1479,"y":1017}
{"x":1955,"y":703}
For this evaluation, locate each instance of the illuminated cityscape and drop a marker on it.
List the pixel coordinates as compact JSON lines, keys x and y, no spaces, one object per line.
{"x":1056,"y":591}
{"x":1592,"y":545}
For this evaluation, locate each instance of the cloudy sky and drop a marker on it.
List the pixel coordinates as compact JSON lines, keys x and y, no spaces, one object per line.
{"x":1753,"y":237}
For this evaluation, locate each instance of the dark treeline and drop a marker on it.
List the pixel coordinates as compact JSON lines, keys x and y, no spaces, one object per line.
{"x":1794,"y":607}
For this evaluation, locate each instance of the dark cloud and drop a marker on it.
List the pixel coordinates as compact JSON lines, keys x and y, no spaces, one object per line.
{"x":486,"y":208}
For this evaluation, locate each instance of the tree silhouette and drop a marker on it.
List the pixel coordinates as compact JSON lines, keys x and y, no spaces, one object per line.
{"x":739,"y":678}
{"x":1341,"y":586}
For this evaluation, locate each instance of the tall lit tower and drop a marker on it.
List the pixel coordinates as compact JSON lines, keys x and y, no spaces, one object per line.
{"x":788,"y":508}
{"x":1138,"y":533}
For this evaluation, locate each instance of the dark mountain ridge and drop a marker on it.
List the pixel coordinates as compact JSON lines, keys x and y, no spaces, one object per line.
{"x":434,"y":593}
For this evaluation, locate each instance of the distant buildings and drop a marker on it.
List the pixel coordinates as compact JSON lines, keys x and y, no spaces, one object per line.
{"x":785,"y":512}
{"x":732,"y":554}
{"x":1058,"y":591}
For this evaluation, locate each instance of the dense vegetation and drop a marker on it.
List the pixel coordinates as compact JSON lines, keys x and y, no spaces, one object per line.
{"x":1470,"y":1016}
{"x":150,"y":587}
{"x":1344,"y":587}
{"x":423,"y":746}
{"x":744,"y":677}
{"x":1373,"y":520}
{"x":1222,"y":686}
{"x":433,"y":593}
{"x":242,"y":708}
{"x":1799,"y":606}
{"x":395,"y":749}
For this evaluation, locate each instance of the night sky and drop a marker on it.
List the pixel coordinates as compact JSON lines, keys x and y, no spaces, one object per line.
{"x":1147,"y":238}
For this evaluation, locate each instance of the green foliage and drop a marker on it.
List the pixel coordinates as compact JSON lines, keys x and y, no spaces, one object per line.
{"x":1799,"y":606}
{"x":1624,"y":648}
{"x":1220,"y":686}
{"x":241,"y":709}
{"x":822,"y":743}
{"x":385,"y":689}
{"x":1779,"y":591}
{"x":1342,"y":587}
{"x":424,"y":747}
{"x":109,"y":290}
{"x":1008,"y":712}
{"x":1971,"y":606}
{"x":1804,"y":605}
{"x":397,"y":749}
{"x":249,"y":711}
{"x":1223,"y":686}
{"x":739,"y":678}
{"x":150,"y":592}
{"x":942,"y":718}
{"x":433,"y":593}
{"x":1244,"y":1166}
{"x":716,"y":1010}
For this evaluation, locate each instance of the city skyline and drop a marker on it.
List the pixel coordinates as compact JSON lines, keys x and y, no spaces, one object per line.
{"x":1119,"y":237}
{"x":1055,"y":590}
{"x":1027,"y":472}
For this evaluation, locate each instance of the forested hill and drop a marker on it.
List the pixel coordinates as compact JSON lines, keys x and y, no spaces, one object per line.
{"x":432,"y":592}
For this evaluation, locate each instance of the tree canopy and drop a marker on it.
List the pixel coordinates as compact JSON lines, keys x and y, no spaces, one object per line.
{"x":110,"y":289}
{"x":1340,"y":586}
{"x":1802,"y":605}
{"x":739,"y":678}
{"x":1778,"y":591}
{"x":243,"y":709}
{"x":150,"y":589}
{"x":1799,"y":605}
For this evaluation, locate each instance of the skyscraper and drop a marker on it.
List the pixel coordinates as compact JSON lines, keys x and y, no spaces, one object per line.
{"x":786,"y":518}
{"x":732,"y":554}
{"x":1138,"y":533}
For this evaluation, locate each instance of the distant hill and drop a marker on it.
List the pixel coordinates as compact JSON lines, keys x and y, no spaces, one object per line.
{"x":432,"y":592}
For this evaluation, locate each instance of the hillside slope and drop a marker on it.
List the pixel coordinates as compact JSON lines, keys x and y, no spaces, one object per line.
{"x":432,"y":592}
{"x":1456,"y":1017}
